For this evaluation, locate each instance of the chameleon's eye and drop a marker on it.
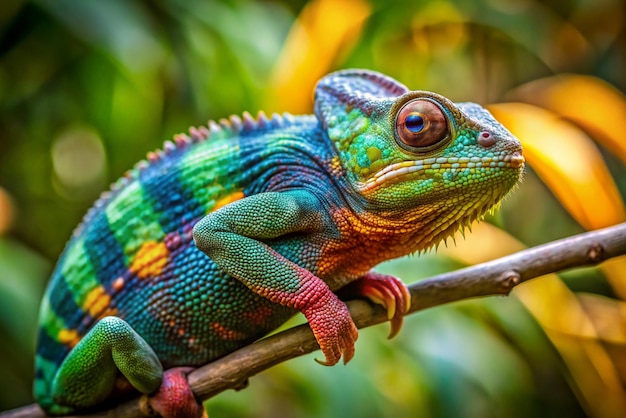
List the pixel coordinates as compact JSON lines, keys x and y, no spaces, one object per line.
{"x":421,"y":126}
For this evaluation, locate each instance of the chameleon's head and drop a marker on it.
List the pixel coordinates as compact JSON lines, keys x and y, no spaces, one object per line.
{"x":416,"y":155}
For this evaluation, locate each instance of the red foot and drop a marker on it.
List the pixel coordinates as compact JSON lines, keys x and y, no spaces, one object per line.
{"x":174,"y":398}
{"x":333,"y":328}
{"x":385,"y":290}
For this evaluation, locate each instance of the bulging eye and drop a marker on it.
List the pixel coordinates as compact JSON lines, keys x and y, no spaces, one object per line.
{"x":421,"y":126}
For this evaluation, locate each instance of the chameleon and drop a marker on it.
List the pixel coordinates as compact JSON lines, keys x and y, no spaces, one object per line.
{"x":226,"y":232}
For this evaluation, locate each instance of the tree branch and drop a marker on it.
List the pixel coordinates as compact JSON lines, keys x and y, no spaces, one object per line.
{"x":497,"y":277}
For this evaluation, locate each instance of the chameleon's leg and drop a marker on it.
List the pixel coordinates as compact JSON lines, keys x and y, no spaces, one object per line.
{"x":87,"y":375}
{"x":232,"y":236}
{"x":385,"y":290}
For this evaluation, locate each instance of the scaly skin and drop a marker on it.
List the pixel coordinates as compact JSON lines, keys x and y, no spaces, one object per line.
{"x":222,"y":236}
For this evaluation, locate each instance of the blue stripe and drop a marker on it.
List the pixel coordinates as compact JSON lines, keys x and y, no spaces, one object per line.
{"x":50,"y":349}
{"x":61,"y":301}
{"x":103,"y":250}
{"x":161,"y":184}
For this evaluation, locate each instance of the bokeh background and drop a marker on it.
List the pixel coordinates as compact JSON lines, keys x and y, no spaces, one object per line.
{"x":88,"y":87}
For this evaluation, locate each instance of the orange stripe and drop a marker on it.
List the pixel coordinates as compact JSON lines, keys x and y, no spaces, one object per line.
{"x":228,"y":199}
{"x":68,"y":337}
{"x":150,"y":259}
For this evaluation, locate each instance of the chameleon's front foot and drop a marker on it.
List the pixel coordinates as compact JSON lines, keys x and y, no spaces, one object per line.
{"x":333,"y":328}
{"x":174,"y":399}
{"x":384,"y":290}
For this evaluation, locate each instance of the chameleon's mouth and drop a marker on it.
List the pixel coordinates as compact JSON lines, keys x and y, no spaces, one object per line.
{"x":451,"y":164}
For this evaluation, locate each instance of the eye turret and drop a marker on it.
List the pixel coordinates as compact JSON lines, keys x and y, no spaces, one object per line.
{"x":421,"y":126}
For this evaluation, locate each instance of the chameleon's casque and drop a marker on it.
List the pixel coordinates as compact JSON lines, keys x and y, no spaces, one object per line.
{"x":220,"y":237}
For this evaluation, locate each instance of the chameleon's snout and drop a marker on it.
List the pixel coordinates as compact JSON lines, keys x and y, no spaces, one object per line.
{"x":509,"y":147}
{"x":517,"y":160}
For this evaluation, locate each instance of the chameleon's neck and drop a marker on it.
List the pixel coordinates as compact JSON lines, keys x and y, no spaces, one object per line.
{"x":370,"y":237}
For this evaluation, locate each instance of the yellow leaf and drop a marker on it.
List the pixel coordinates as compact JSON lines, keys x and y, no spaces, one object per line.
{"x":567,"y":161}
{"x":324,"y":30}
{"x":590,"y":102}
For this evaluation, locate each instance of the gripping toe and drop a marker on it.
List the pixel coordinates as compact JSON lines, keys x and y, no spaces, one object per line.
{"x":174,"y":399}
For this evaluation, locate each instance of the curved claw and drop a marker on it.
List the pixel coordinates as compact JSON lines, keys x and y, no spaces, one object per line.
{"x":384,"y":290}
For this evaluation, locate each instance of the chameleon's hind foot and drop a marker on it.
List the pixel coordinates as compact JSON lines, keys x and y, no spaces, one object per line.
{"x":174,"y":399}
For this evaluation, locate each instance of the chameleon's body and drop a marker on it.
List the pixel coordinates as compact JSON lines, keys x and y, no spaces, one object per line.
{"x":219,"y":238}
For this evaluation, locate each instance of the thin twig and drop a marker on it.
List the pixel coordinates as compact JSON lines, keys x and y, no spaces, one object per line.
{"x":497,"y":277}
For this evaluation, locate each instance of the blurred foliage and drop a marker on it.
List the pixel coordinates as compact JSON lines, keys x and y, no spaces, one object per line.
{"x":88,"y":87}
